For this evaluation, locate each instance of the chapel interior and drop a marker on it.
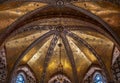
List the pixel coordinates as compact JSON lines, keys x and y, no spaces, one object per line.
{"x":59,"y":41}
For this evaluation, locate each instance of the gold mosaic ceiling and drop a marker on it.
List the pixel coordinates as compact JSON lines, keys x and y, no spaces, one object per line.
{"x":13,"y":11}
{"x":81,"y":54}
{"x":36,"y":56}
{"x":110,"y":13}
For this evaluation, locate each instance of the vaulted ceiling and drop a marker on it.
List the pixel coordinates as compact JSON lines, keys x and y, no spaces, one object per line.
{"x":37,"y":31}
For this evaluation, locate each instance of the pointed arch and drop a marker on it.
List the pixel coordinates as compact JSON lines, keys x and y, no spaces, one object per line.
{"x":23,"y":74}
{"x":20,"y":78}
{"x":98,"y":78}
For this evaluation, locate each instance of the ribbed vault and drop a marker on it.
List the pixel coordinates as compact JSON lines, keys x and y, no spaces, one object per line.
{"x":76,"y":53}
{"x":85,"y":39}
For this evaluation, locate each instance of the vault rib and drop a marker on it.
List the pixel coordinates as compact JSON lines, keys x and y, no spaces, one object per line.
{"x":100,"y":61}
{"x":70,"y":56}
{"x":40,"y":39}
{"x":48,"y":56}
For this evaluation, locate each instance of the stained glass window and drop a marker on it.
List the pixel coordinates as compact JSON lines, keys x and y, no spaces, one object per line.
{"x":98,"y":78}
{"x":20,"y":79}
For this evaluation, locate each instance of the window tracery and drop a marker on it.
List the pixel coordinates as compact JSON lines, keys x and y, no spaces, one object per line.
{"x":59,"y":79}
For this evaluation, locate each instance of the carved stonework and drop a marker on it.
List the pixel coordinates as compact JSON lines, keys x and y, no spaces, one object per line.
{"x":59,"y":79}
{"x":116,"y":70}
{"x":3,"y":66}
{"x":91,"y":73}
{"x":116,"y":54}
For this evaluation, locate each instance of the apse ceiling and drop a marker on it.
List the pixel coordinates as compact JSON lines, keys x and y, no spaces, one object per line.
{"x":82,"y":55}
{"x":39,"y":39}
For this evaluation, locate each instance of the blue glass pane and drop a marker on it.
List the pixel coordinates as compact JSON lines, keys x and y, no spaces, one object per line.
{"x":98,"y":79}
{"x":20,"y":79}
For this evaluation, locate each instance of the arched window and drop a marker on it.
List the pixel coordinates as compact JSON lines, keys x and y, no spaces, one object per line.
{"x":98,"y":78}
{"x":20,"y":78}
